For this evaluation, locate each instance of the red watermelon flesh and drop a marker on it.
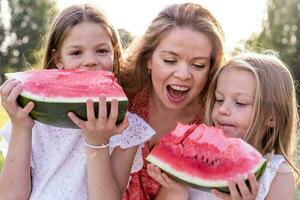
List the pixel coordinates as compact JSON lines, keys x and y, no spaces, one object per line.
{"x":69,"y":84}
{"x":203,"y":156}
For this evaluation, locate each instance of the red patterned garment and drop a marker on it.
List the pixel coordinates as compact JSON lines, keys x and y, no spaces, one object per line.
{"x":141,"y":185}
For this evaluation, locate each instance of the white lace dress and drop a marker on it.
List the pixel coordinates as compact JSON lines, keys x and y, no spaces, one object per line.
{"x":58,"y":159}
{"x":274,"y":162}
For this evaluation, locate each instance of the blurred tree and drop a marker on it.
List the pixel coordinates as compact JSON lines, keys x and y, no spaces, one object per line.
{"x":27,"y":27}
{"x":2,"y":30}
{"x":281,"y":32}
{"x":2,"y":37}
{"x":125,"y":37}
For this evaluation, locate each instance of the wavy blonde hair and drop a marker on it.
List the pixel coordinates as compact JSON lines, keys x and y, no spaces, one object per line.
{"x":134,"y":73}
{"x":275,"y":96}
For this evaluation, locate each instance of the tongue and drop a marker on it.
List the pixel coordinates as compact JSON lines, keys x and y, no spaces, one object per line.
{"x":176,"y":95}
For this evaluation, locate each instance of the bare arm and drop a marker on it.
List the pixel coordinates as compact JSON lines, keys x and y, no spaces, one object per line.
{"x":15,"y":179}
{"x":283,"y":185}
{"x":102,"y":183}
{"x":122,"y":160}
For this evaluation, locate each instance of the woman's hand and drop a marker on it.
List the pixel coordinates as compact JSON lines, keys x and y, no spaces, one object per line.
{"x":97,"y":131}
{"x":245,"y":192}
{"x":19,"y":116}
{"x":174,"y":188}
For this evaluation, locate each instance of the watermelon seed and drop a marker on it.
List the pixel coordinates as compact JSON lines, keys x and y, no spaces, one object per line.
{"x":216,"y":161}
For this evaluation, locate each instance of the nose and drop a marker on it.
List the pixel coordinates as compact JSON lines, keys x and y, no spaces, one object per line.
{"x":224,"y":108}
{"x":90,"y":60}
{"x":183,"y":72}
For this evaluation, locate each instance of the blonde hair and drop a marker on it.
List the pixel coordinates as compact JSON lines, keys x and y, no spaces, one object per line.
{"x":70,"y":17}
{"x":135,"y":77}
{"x":275,"y":96}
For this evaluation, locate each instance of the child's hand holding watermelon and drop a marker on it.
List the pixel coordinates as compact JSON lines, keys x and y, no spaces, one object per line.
{"x":171,"y":189}
{"x":20,"y":118}
{"x":98,"y":129}
{"x":240,"y":185}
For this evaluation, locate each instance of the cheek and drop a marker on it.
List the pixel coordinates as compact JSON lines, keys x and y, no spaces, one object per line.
{"x":107,"y":63}
{"x":70,"y":63}
{"x":159,"y":74}
{"x":245,"y":121}
{"x":201,"y":79}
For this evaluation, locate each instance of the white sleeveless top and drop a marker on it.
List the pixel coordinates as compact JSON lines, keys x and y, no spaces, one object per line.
{"x":264,"y":183}
{"x":58,"y":160}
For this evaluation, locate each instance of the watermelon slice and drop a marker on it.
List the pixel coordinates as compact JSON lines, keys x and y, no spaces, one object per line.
{"x":55,"y":92}
{"x":203,"y":157}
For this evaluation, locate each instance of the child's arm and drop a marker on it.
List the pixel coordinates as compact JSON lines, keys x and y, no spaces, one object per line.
{"x":283,"y":185}
{"x":102,"y":182}
{"x":97,"y":131}
{"x":128,"y":149}
{"x":15,"y":179}
{"x":122,"y":160}
{"x":170,"y":189}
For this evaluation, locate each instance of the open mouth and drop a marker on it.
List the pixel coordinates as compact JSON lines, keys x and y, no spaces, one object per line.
{"x":177,"y":93}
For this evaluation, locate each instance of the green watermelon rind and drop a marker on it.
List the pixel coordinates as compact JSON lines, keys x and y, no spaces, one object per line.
{"x":197,"y":182}
{"x":53,"y":111}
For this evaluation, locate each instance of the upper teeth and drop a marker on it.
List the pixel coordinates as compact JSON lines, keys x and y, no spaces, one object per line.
{"x":180,"y":88}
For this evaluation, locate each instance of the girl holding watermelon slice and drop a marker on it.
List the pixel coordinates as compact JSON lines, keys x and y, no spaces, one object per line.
{"x":253,"y":97}
{"x":46,"y":162}
{"x":166,"y":77}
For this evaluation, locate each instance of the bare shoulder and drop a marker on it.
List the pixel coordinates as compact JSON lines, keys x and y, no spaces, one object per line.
{"x":285,"y":168}
{"x":283,"y":184}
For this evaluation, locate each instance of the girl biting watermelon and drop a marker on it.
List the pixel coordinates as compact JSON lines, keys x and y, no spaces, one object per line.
{"x":252,"y":97}
{"x":46,"y":162}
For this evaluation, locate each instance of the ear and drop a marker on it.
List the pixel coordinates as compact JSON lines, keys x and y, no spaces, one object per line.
{"x":271,"y":122}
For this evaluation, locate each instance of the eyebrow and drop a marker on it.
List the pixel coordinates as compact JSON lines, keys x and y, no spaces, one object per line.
{"x":97,"y":45}
{"x":236,"y":94}
{"x":175,"y":54}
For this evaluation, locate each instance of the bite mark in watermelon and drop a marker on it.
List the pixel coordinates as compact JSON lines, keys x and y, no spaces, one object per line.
{"x":56,"y":92}
{"x":203,"y":157}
